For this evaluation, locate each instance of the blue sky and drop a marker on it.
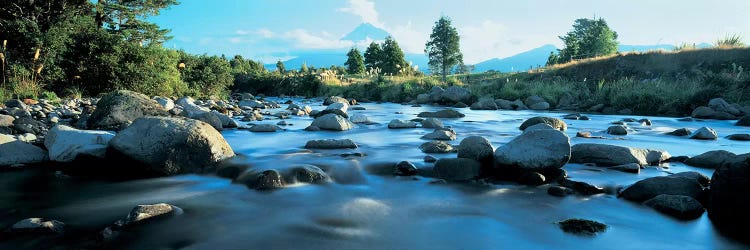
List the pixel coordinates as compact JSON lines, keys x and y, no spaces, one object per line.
{"x":271,"y":30}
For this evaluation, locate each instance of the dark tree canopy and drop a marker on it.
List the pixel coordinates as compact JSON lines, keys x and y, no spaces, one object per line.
{"x":373,"y":56}
{"x":354,"y":63}
{"x":280,"y":67}
{"x":443,"y":47}
{"x":392,"y":60}
{"x":589,"y":38}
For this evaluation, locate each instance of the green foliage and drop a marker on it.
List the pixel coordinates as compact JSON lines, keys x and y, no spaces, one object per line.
{"x":128,"y":19}
{"x":304,"y":70}
{"x":730,"y":41}
{"x":589,"y":38}
{"x":392,"y":60}
{"x":206,"y":75}
{"x":355,"y":64}
{"x":373,"y":56}
{"x":280,"y":67}
{"x":150,"y":70}
{"x":443,"y":47}
{"x":50,"y":96}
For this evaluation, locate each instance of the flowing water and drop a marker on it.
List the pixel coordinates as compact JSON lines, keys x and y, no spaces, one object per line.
{"x":365,"y":210}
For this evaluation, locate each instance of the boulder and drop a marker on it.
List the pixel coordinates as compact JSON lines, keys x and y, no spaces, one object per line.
{"x":331,"y":144}
{"x":118,"y":109}
{"x":208,"y":117}
{"x":457,"y":169}
{"x":65,"y":143}
{"x":560,"y":191}
{"x":477,"y":148}
{"x":330,"y":111}
{"x":446,"y":113}
{"x":719,"y":105}
{"x":678,"y":206}
{"x":744,"y":121}
{"x":540,"y":126}
{"x":534,"y":150}
{"x":405,"y":168}
{"x":251,"y":104}
{"x":6,"y":120}
{"x":730,"y":197}
{"x":611,"y":155}
{"x":518,"y":105}
{"x":739,"y":137}
{"x":441,"y":135}
{"x":504,"y":104}
{"x":360,"y":118}
{"x":456,"y":94}
{"x":567,"y":101}
{"x":436,"y":147}
{"x":166,"y":103}
{"x":309,"y":174}
{"x":144,"y":213}
{"x":628,"y":168}
{"x":582,"y":226}
{"x":226,"y":121}
{"x":432,"y":123}
{"x":14,"y":103}
{"x":398,"y":124}
{"x":169,"y":146}
{"x":680,"y":132}
{"x":700,"y":178}
{"x":436,"y":94}
{"x":423,"y":98}
{"x":334,"y":99}
{"x":332,"y":122}
{"x":617,"y":130}
{"x":484,"y":103}
{"x":37,"y":226}
{"x":266,"y":180}
{"x":15,"y":152}
{"x":539,"y":106}
{"x":28,"y":125}
{"x":265,"y":128}
{"x":651,"y":187}
{"x":554,"y":122}
{"x":711,"y":159}
{"x":704,"y":133}
{"x":343,"y":106}
{"x":532,"y":179}
{"x":534,"y":99}
{"x":580,"y":187}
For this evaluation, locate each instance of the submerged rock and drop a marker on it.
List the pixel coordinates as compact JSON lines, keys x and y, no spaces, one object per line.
{"x":432,"y":123}
{"x":617,"y":130}
{"x":580,"y":187}
{"x":457,"y":169}
{"x":744,"y":121}
{"x":680,"y":132}
{"x":554,"y":122}
{"x":440,"y":134}
{"x":143,"y":213}
{"x":711,"y":159}
{"x":447,"y":113}
{"x":730,"y":197}
{"x":405,"y":168}
{"x":678,"y":206}
{"x":739,"y":137}
{"x":560,"y":191}
{"x":331,"y":144}
{"x":582,"y":226}
{"x":266,"y":180}
{"x":704,"y":133}
{"x":310,"y":174}
{"x":437,"y":147}
{"x":265,"y":128}
{"x":397,"y":124}
{"x":651,"y":187}
{"x":612,"y":155}
{"x":37,"y":226}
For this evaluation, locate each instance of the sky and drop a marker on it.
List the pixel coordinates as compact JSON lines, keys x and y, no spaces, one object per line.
{"x":278,"y":29}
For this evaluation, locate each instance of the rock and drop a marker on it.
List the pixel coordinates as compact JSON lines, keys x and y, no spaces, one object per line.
{"x":567,"y":101}
{"x":730,"y":198}
{"x":266,"y":180}
{"x":625,"y":111}
{"x":65,"y":143}
{"x":332,"y":122}
{"x":678,"y":206}
{"x":250,"y":104}
{"x":440,"y":134}
{"x":28,"y":125}
{"x":312,"y":128}
{"x":534,"y":150}
{"x":144,"y":213}
{"x":484,"y":103}
{"x":265,"y":128}
{"x":15,"y":152}
{"x":645,"y":122}
{"x":37,"y":226}
{"x":334,"y":99}
{"x":572,"y":116}
{"x":617,"y":130}
{"x":580,"y":187}
{"x":423,"y":98}
{"x":436,"y":94}
{"x":209,"y":118}
{"x":611,"y":155}
{"x":744,"y":121}
{"x":118,"y":109}
{"x":540,"y":126}
{"x":329,"y":111}
{"x":339,"y":105}
{"x":359,"y":118}
{"x":628,"y":168}
{"x":460,"y":105}
{"x":554,"y":122}
{"x":432,"y":123}
{"x":405,"y":168}
{"x":680,"y":132}
{"x":596,"y":108}
{"x":398,"y":124}
{"x":534,"y":99}
{"x":169,"y":146}
{"x":457,"y":169}
{"x":166,"y":103}
{"x":27,"y":137}
{"x":532,"y":179}
{"x":651,"y":187}
{"x":16,"y":104}
{"x":447,"y":113}
{"x":331,"y":144}
{"x":226,"y":121}
{"x":582,"y":227}
{"x":477,"y":148}
{"x":559,"y":191}
{"x":711,"y":159}
{"x":438,"y":147}
{"x":539,"y":106}
{"x":708,"y":113}
{"x":310,"y":174}
{"x":704,"y":133}
{"x":6,"y":120}
{"x":739,"y":137}
{"x":429,"y":159}
{"x":456,"y":94}
{"x":719,"y":105}
{"x":700,"y":178}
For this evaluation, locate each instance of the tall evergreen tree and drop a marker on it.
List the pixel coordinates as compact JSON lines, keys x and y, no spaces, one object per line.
{"x":354,"y":63}
{"x":280,"y":67}
{"x":443,"y":47}
{"x":589,"y":38}
{"x":393,"y":61}
{"x":303,"y":68}
{"x":373,"y":56}
{"x":128,"y":18}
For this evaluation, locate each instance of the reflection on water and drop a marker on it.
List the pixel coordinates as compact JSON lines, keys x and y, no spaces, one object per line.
{"x":362,"y":210}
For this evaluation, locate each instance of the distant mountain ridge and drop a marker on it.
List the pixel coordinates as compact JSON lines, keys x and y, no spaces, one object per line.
{"x":364,"y":32}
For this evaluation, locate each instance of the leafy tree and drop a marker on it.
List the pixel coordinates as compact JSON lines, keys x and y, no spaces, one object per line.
{"x":392,"y":60}
{"x":589,"y":38}
{"x":355,"y":63}
{"x":464,"y":69}
{"x":128,"y":17}
{"x":206,"y":75}
{"x":303,"y":69}
{"x":443,"y":47}
{"x":280,"y":67}
{"x":373,"y":56}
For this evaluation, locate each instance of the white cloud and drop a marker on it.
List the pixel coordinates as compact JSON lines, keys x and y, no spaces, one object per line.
{"x":365,"y":10}
{"x":410,"y":39}
{"x":242,"y":32}
{"x":235,"y":40}
{"x":490,"y":39}
{"x":304,"y":40}
{"x":265,"y":33}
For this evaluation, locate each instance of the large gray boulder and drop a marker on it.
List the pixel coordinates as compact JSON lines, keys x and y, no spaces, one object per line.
{"x":118,"y":109}
{"x":166,"y":103}
{"x":719,"y":105}
{"x":37,"y":226}
{"x":730,"y":197}
{"x":612,"y":155}
{"x":457,"y":169}
{"x":456,"y":94}
{"x":436,"y":147}
{"x":711,"y":159}
{"x":651,"y":187}
{"x":15,"y":152}
{"x":535,"y":150}
{"x":398,"y":124}
{"x":65,"y":144}
{"x":6,"y":120}
{"x":679,"y":206}
{"x":744,"y":121}
{"x":332,"y":122}
{"x":432,"y":123}
{"x":554,"y":122}
{"x":208,"y":117}
{"x":617,"y":130}
{"x":477,"y":148}
{"x":484,"y":103}
{"x":441,"y":135}
{"x":534,"y":99}
{"x":334,"y":99}
{"x":170,"y":146}
{"x":447,"y":113}
{"x":331,"y":144}
{"x":343,"y":106}
{"x":189,"y":108}
{"x":704,"y":133}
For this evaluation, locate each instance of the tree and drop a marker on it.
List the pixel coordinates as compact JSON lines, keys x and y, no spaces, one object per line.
{"x":373,"y":56}
{"x":464,"y":69}
{"x":354,"y":63}
{"x":206,"y":75}
{"x":443,"y":47}
{"x":280,"y":67}
{"x":589,"y":38}
{"x":392,"y":59}
{"x":128,"y":17}
{"x":303,"y":69}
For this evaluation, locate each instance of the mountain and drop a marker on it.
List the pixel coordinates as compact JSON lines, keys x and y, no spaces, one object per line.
{"x":326,"y":58}
{"x":364,"y":32}
{"x":519,"y":62}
